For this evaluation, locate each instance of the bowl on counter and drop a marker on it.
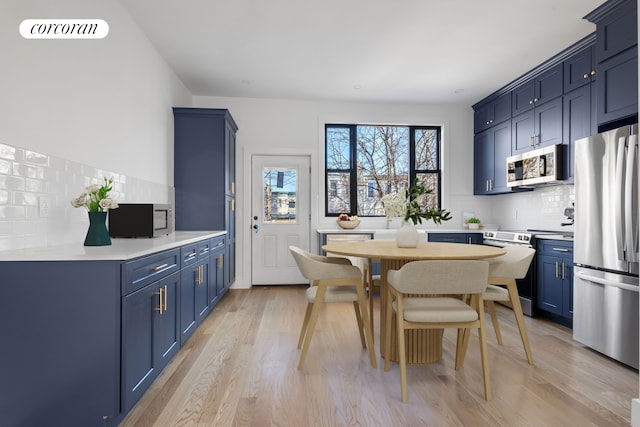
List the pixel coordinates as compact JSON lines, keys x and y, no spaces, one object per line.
{"x":348,"y":225}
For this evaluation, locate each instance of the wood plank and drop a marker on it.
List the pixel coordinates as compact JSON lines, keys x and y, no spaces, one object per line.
{"x":239,"y":369}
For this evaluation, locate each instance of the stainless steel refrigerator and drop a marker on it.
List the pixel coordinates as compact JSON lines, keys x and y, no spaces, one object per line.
{"x":605,"y":286}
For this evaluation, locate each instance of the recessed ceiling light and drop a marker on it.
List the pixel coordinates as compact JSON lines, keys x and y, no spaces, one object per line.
{"x":245,"y":82}
{"x":458,"y":91}
{"x":357,"y":87}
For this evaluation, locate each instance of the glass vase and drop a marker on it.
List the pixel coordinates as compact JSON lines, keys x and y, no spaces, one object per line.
{"x":97,"y":234}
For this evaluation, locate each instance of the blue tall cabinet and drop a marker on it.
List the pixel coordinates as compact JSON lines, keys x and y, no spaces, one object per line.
{"x":204,"y":174}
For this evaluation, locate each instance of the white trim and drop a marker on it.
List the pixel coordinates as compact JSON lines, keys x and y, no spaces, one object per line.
{"x":243,"y":209}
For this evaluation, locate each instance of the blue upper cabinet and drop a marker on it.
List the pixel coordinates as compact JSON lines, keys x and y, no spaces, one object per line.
{"x":617,"y":61}
{"x":580,"y":69}
{"x":538,"y":127}
{"x":492,"y":113}
{"x":537,"y":91}
{"x":491,"y":149}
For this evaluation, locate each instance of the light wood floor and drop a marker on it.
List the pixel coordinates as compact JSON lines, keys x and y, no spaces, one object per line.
{"x":239,"y":369}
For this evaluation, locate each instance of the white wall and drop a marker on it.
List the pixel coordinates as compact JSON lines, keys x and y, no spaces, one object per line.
{"x":297,"y":127}
{"x":105,"y":103}
{"x":72,"y":111}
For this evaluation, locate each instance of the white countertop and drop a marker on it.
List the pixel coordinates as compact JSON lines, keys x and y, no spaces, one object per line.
{"x":393,"y":230}
{"x":121,"y":249}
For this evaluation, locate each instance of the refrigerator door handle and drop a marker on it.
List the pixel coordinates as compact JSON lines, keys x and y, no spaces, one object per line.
{"x":619,"y":198}
{"x":606,"y":282}
{"x":631,"y":201}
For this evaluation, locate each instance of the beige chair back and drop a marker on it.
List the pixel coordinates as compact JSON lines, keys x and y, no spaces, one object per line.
{"x":440,"y":277}
{"x":514,"y":264}
{"x":315,"y":267}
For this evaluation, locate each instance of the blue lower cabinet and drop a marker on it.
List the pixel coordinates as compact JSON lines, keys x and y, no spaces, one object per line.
{"x":471,"y":238}
{"x":150,"y":335}
{"x":217,"y":274}
{"x":60,"y":359}
{"x":86,"y":339}
{"x":555,"y":279}
{"x":194,"y":302}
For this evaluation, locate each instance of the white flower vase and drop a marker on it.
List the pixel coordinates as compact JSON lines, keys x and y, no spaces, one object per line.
{"x":394,"y":223}
{"x":407,"y":236}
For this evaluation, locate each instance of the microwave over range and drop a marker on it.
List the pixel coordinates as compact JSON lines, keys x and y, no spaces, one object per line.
{"x":536,"y":167}
{"x":140,"y":220}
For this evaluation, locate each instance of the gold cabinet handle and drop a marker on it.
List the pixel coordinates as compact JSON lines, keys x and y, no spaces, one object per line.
{"x":233,"y":187}
{"x":219,"y":261}
{"x":165,"y":297}
{"x":233,"y":205}
{"x":159,"y":267}
{"x":585,"y":76}
{"x":593,"y":72}
{"x":563,"y":270}
{"x":556,"y":268}
{"x":160,"y":307}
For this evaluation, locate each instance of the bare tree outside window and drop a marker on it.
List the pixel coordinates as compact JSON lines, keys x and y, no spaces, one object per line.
{"x":366,"y":162}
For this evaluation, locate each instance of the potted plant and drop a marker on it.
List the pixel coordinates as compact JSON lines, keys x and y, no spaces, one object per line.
{"x":474,"y":223}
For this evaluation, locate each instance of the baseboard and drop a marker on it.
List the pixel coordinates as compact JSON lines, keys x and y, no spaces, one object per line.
{"x":635,"y":413}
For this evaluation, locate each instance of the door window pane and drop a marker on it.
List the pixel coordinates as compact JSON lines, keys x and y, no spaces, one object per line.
{"x":280,"y":189}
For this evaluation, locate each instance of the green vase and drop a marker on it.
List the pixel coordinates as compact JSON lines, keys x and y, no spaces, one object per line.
{"x":97,"y":235}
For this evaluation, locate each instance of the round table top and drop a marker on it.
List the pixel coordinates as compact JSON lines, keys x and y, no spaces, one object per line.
{"x":387,"y":249}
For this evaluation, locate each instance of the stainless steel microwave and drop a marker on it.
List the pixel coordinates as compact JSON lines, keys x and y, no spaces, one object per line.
{"x":140,"y":220}
{"x":536,"y":167}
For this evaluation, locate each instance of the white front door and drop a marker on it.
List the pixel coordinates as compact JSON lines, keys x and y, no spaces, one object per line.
{"x":280,"y":203}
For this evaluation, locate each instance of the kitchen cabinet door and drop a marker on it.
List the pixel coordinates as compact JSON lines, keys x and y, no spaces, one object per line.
{"x":555,"y":278}
{"x":492,"y":113}
{"x":618,"y":87}
{"x":537,"y":91}
{"x":491,"y":149}
{"x":579,"y":69}
{"x":578,"y":123}
{"x":537,"y":128}
{"x":150,"y":335}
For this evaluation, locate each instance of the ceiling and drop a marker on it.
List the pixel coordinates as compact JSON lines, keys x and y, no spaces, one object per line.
{"x":395,"y":51}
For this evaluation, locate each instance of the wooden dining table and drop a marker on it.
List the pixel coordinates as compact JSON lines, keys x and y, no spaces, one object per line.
{"x":422,"y":345}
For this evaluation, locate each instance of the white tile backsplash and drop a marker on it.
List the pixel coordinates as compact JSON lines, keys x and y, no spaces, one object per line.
{"x":541,"y":209}
{"x":27,"y":176}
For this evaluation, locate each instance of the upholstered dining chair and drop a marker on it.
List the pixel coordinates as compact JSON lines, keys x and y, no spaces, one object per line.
{"x":333,"y":279}
{"x":503,"y":272}
{"x":446,"y":281}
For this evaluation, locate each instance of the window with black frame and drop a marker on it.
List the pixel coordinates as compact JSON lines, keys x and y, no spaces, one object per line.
{"x":363,"y":163}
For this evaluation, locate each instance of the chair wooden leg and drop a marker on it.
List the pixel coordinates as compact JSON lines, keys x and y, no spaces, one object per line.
{"x":312,"y":323}
{"x":371,"y":304}
{"x":305,"y":323}
{"x":402,"y":357}
{"x":387,"y":327}
{"x":463,"y":350}
{"x":491,"y":308}
{"x":367,"y":327}
{"x":517,"y":311}
{"x":356,"y":308}
{"x":483,"y":353}
{"x":462,"y":332}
